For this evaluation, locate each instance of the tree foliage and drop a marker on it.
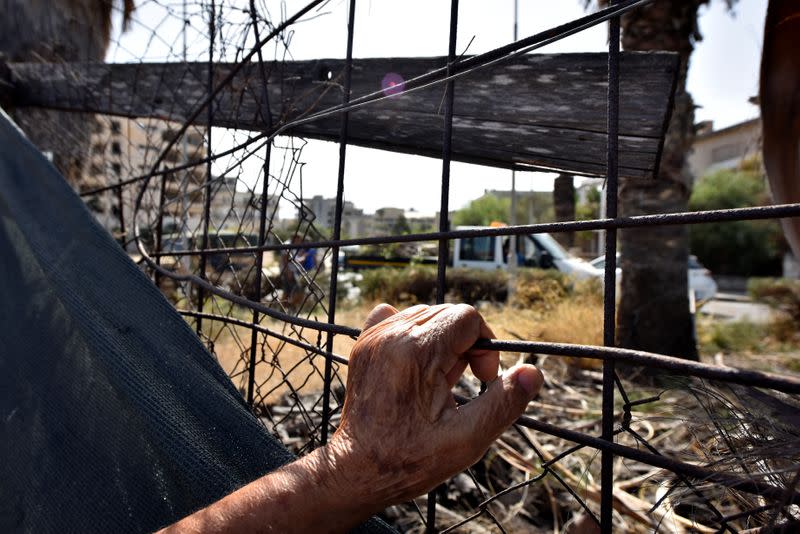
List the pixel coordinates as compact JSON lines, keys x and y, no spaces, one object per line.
{"x":745,"y":248}
{"x":532,"y":207}
{"x":482,"y":211}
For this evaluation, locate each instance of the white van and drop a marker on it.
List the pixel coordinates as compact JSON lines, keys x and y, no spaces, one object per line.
{"x":533,"y":250}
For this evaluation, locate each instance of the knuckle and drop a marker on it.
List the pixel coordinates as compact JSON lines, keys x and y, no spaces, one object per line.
{"x":382,"y":308}
{"x":468,"y":314}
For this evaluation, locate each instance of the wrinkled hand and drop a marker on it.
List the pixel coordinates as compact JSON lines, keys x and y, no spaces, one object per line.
{"x":401,"y":430}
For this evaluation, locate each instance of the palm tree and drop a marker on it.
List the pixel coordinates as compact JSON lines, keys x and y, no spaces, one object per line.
{"x":564,"y":205}
{"x":61,"y":30}
{"x":654,"y":308}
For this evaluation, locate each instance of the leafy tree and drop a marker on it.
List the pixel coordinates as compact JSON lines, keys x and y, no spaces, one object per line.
{"x":482,"y":211}
{"x":401,"y":226}
{"x":744,"y":248}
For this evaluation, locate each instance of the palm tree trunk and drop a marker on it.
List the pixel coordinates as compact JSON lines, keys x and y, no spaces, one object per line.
{"x":62,"y":30}
{"x":654,"y":307}
{"x":564,"y":206}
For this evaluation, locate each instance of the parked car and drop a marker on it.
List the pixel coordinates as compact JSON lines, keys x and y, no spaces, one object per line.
{"x":700,"y":279}
{"x":485,"y":252}
{"x":533,"y":250}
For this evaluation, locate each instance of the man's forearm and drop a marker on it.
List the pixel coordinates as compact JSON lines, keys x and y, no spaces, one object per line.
{"x":313,"y":494}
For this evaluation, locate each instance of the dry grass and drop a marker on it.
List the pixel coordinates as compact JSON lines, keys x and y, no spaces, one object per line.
{"x":279,"y":365}
{"x":572,"y":320}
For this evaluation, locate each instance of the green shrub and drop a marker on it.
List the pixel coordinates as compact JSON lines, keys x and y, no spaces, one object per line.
{"x":409,"y":285}
{"x":417,"y":284}
{"x":783,"y":295}
{"x":779,"y":293}
{"x":738,"y":336}
{"x":535,"y":288}
{"x":540,"y":287}
{"x":743,"y":248}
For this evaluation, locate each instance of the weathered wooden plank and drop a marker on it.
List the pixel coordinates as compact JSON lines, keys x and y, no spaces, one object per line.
{"x":538,"y":111}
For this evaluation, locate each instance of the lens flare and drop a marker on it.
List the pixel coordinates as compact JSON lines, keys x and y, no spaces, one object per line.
{"x":392,"y":84}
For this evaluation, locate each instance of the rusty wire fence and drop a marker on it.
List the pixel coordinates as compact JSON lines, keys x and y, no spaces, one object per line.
{"x":197,"y":200}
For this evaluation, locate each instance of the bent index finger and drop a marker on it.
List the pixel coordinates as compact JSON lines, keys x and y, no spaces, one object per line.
{"x":452,"y":332}
{"x":483,"y":362}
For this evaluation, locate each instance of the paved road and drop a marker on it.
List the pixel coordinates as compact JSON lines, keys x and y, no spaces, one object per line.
{"x":732,"y":308}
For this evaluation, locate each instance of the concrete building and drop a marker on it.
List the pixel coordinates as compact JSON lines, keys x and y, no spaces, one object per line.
{"x":714,"y":150}
{"x":124,"y":148}
{"x":421,"y":221}
{"x":354,"y":222}
{"x":235,"y":210}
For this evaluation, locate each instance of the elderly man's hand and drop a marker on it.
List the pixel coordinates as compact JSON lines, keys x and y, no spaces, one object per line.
{"x":401,"y":431}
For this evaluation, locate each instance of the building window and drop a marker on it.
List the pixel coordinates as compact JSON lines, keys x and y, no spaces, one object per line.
{"x":116,"y":127}
{"x":116,"y":169}
{"x":116,"y":148}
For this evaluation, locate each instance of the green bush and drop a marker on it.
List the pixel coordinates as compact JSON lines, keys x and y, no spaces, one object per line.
{"x":780,"y":293}
{"x":540,"y":287}
{"x":743,"y":248}
{"x":398,"y":285}
{"x":417,"y":284}
{"x":737,"y":336}
{"x":784,"y":296}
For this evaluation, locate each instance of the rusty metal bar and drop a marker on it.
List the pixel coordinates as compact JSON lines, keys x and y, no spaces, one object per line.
{"x":207,"y":196}
{"x":753,"y":213}
{"x":262,"y":216}
{"x":337,"y":223}
{"x":610,"y":277}
{"x":444,"y":201}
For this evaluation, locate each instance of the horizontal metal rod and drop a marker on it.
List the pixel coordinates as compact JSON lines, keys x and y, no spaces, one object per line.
{"x":726,"y":479}
{"x":649,"y":360}
{"x":267,"y":331}
{"x":663,"y":219}
{"x":786,"y":384}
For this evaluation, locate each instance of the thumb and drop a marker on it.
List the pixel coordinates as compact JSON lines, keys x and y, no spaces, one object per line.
{"x":483,"y":419}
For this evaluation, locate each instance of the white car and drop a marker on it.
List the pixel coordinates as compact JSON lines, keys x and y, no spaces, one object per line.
{"x":534,"y":250}
{"x":700,"y":279}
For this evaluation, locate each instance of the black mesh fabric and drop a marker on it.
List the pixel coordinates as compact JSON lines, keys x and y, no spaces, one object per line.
{"x":114,"y":417}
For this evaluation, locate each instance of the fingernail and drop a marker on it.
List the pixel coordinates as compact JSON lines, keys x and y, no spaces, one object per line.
{"x":528,"y":379}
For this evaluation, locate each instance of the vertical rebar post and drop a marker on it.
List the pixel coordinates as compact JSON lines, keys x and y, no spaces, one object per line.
{"x":512,"y":219}
{"x":447,"y":138}
{"x":337,"y":225}
{"x":610,"y":277}
{"x":123,"y":233}
{"x":162,"y":193}
{"x":266,"y":115}
{"x":444,"y":223}
{"x":207,"y":189}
